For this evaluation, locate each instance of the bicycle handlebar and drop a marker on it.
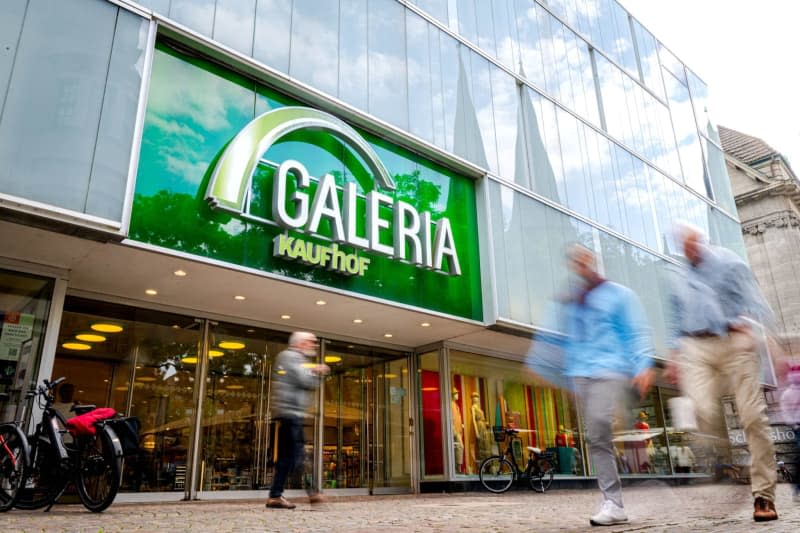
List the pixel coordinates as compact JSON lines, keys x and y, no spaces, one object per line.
{"x":52,"y":384}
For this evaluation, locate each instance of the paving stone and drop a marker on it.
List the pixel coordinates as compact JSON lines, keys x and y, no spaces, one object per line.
{"x":652,"y":506}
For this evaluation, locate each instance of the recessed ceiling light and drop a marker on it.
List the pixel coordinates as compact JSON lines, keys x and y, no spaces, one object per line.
{"x":281,"y":372}
{"x":188,"y":360}
{"x":146,"y":378}
{"x":215,"y":353}
{"x":251,"y":331}
{"x":332,"y":358}
{"x":239,"y":297}
{"x":175,"y":326}
{"x":426,"y":324}
{"x":106,"y":328}
{"x":151,"y":292}
{"x":79,"y":346}
{"x":286,"y":317}
{"x":234,"y":387}
{"x":180,"y":273}
{"x":231,"y":345}
{"x":90,"y":337}
{"x":388,"y":335}
{"x":321,"y":302}
{"x":357,"y":321}
{"x":390,"y":376}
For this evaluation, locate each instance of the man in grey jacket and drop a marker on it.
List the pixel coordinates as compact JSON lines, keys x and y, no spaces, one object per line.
{"x":294,"y":382}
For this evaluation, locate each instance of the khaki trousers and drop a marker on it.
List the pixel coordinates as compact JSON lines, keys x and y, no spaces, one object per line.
{"x":714,"y":366}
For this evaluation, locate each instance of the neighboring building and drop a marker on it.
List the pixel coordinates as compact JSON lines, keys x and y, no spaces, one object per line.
{"x":767,"y":194}
{"x":182,"y":183}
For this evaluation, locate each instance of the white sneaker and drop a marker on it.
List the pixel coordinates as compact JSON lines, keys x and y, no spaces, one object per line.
{"x":610,"y":514}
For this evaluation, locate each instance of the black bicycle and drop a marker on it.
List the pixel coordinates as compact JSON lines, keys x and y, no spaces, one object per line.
{"x":35,"y":470}
{"x":499,"y":472}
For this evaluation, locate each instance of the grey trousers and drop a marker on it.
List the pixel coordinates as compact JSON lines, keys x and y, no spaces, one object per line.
{"x":600,"y":399}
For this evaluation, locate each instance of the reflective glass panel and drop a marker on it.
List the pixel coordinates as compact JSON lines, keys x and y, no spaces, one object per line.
{"x":388,"y":97}
{"x":234,"y":23}
{"x":24,"y":306}
{"x":272,"y":33}
{"x":315,"y":37}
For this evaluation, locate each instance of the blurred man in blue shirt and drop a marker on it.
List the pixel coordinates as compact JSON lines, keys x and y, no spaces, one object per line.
{"x":711,"y":338}
{"x":606,"y":347}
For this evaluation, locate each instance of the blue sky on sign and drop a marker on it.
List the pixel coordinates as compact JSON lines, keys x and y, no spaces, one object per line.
{"x":745,"y":51}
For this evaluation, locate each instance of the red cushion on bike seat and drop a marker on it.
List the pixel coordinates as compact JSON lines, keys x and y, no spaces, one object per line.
{"x":84,"y":424}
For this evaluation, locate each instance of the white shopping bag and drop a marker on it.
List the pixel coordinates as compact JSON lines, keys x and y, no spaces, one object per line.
{"x":682,"y":410}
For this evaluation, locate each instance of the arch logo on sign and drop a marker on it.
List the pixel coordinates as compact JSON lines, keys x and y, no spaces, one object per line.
{"x":415,"y":237}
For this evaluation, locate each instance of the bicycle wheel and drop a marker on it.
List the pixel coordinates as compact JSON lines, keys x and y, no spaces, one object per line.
{"x":542,"y":477}
{"x":45,"y":480}
{"x":13,"y":459}
{"x":497,"y":474}
{"x":99,"y":472}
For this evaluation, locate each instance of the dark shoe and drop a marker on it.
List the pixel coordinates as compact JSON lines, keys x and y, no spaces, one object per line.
{"x":765,"y":510}
{"x":317,"y":498}
{"x":280,"y":503}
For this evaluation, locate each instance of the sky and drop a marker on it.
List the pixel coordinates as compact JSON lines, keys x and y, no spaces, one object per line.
{"x":747,"y":52}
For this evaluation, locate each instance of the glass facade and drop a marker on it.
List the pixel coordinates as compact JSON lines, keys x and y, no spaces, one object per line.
{"x":68,"y":105}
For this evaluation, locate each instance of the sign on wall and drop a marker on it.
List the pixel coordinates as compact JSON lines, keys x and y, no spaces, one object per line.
{"x":237,"y":172}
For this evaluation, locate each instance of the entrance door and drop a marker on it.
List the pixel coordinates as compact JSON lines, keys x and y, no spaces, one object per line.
{"x":366,"y":441}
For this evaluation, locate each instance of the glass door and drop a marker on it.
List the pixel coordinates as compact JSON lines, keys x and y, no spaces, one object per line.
{"x":366,"y":440}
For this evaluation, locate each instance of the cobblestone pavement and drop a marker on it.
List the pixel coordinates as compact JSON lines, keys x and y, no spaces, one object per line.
{"x":652,"y":506}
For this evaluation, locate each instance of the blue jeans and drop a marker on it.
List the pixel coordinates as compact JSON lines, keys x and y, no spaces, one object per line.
{"x":291,"y":453}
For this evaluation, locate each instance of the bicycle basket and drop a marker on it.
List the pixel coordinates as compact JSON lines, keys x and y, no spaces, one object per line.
{"x":499,"y":433}
{"x":127,"y":430}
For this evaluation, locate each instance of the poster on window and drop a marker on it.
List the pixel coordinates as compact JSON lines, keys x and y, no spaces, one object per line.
{"x":17,"y":328}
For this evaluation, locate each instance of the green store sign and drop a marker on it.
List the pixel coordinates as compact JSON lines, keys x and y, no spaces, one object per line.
{"x":235,"y":171}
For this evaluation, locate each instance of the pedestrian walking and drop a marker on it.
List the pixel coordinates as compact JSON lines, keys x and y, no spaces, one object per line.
{"x":293,"y":385}
{"x":711,"y":338}
{"x":606,"y":348}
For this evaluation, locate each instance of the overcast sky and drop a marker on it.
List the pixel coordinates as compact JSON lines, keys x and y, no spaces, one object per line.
{"x":747,"y":53}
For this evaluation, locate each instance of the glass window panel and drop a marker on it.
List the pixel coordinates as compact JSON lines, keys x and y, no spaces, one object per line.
{"x":272,"y":34}
{"x":430,"y":415}
{"x":234,"y":22}
{"x":467,"y":24}
{"x":686,"y":134}
{"x":577,"y":195}
{"x":437,"y":87}
{"x":519,"y":307}
{"x":530,"y":45}
{"x":388,"y":99}
{"x":501,"y":205}
{"x":109,"y":177}
{"x":648,"y":59}
{"x":491,"y":392}
{"x":353,"y":53}
{"x":147,"y":370}
{"x":420,"y":96}
{"x":10,"y":28}
{"x":588,"y":84}
{"x":511,"y":148}
{"x":485,"y":26}
{"x":24,"y":308}
{"x":552,"y":53}
{"x":54,"y":100}
{"x":548,"y":169}
{"x":718,"y":171}
{"x":436,"y":8}
{"x":315,"y":34}
{"x":609,"y":188}
{"x":672,"y":64}
{"x":235,"y":437}
{"x":195,"y":14}
{"x":160,"y":6}
{"x":595,"y":174}
{"x":453,"y":87}
{"x":505,"y":31}
{"x":482,"y":100}
{"x":540,"y":283}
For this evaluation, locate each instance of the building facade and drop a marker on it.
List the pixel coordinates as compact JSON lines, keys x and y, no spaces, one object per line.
{"x":184,"y":182}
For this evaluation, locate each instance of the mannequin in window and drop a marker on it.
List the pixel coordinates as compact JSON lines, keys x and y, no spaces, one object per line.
{"x":458,"y":433}
{"x":483,"y":434}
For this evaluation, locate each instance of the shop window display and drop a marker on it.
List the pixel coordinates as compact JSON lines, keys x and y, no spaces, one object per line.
{"x":488,"y":392}
{"x":431,"y":416}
